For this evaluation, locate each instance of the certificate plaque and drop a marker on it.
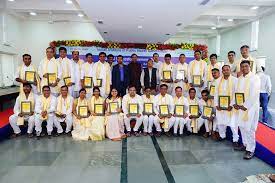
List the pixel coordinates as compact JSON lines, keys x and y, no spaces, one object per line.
{"x":239,"y":98}
{"x":88,"y":82}
{"x":67,"y":80}
{"x":212,"y":91}
{"x":133,"y":109}
{"x":163,"y":110}
{"x":194,"y":110}
{"x":113,"y":106}
{"x":83,"y":111}
{"x":167,"y":75}
{"x":148,"y":108}
{"x":179,"y":110}
{"x":99,"y":109}
{"x":51,"y":78}
{"x":26,"y":107}
{"x":224,"y":102}
{"x":99,"y":82}
{"x":207,"y":112}
{"x":180,"y":75}
{"x":196,"y":80}
{"x":30,"y":76}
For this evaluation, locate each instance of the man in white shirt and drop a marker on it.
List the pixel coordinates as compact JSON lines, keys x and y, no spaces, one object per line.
{"x":248,"y":111}
{"x":231,"y":55}
{"x":166,"y":73}
{"x":213,"y":64}
{"x":87,"y":71}
{"x":77,"y":65}
{"x":67,"y":70}
{"x":165,"y":117}
{"x":44,"y":111}
{"x":181,"y":74}
{"x":19,"y":117}
{"x":49,"y":67}
{"x":245,"y":55}
{"x":64,"y":110}
{"x":265,"y":91}
{"x":156,"y":64}
{"x":134,"y":102}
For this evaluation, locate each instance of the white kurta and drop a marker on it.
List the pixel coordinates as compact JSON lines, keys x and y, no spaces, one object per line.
{"x":209,"y":76}
{"x":103,"y":71}
{"x":224,"y":117}
{"x":22,"y":69}
{"x":49,"y":66}
{"x":233,"y":67}
{"x":148,"y":120}
{"x":77,"y":75}
{"x":180,"y":73}
{"x":167,"y":67}
{"x":67,"y":71}
{"x":254,"y":69}
{"x":87,"y":71}
{"x":181,"y":121}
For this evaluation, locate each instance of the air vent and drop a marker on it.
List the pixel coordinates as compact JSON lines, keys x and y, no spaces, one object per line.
{"x":204,"y":2}
{"x":100,"y":21}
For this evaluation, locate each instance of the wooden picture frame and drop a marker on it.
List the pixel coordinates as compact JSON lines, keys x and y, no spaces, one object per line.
{"x":88,"y":82}
{"x":148,"y":106}
{"x":224,"y":102}
{"x":207,"y":112}
{"x":167,"y":75}
{"x":196,"y":80}
{"x":194,"y":110}
{"x":164,"y":110}
{"x":99,"y":109}
{"x":179,"y":110}
{"x":113,"y":106}
{"x":30,"y":76}
{"x":51,"y":78}
{"x":133,"y":109}
{"x":67,"y":80}
{"x":26,"y":107}
{"x":83,"y":111}
{"x":239,"y":99}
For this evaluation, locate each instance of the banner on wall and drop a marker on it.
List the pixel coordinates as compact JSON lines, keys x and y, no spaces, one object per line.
{"x":143,"y":54}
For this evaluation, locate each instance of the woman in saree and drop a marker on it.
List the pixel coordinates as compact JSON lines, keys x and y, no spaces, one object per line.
{"x":114,"y":117}
{"x":81,"y":121}
{"x":97,"y":106}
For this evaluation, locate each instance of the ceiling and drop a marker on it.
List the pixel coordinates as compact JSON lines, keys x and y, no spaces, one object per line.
{"x":146,"y":20}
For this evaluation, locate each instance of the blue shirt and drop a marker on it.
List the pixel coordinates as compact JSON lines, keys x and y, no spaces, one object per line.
{"x":121,"y":70}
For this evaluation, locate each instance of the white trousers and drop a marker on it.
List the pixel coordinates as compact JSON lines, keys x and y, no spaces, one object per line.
{"x":13,"y":122}
{"x":222,"y":132}
{"x":150,"y":120}
{"x":69,"y":123}
{"x":249,"y":139}
{"x":50,"y":123}
{"x":128,"y":125}
{"x":179,"y":123}
{"x":171,"y":122}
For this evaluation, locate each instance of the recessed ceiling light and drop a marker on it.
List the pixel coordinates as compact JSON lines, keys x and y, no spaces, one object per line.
{"x":105,"y":32}
{"x":69,"y":2}
{"x":80,"y":15}
{"x":230,"y":20}
{"x":32,"y":13}
{"x":10,"y":0}
{"x":213,"y":28}
{"x":140,"y":27}
{"x":178,"y":24}
{"x":100,"y":21}
{"x":254,"y":7}
{"x":167,"y":34}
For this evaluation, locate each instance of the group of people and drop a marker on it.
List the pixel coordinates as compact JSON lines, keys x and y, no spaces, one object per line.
{"x":98,"y":100}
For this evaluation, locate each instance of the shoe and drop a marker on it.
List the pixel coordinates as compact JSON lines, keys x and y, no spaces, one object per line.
{"x":15,"y":135}
{"x":206,"y":135}
{"x":167,"y":134}
{"x":42,"y":134}
{"x":158,"y":134}
{"x":151,"y":134}
{"x":49,"y":136}
{"x":38,"y":137}
{"x":128,"y":134}
{"x":175,"y":135}
{"x":181,"y":135}
{"x":136,"y":134}
{"x":69,"y":134}
{"x":238,"y":147}
{"x":188,"y":133}
{"x":145,"y":133}
{"x":30,"y":135}
{"x":248,"y":155}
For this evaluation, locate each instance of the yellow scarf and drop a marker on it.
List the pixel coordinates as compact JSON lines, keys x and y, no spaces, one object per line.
{"x":249,"y":59}
{"x":94,"y":101}
{"x":194,"y":121}
{"x":108,"y":82}
{"x":193,"y":67}
{"x":22,"y":98}
{"x":46,"y":103}
{"x":164,"y":120}
{"x":83,"y":121}
{"x":86,"y":73}
{"x":228,"y":91}
{"x":45,"y":71}
{"x":209,"y":71}
{"x":118,"y":100}
{"x":22,"y":76}
{"x":60,"y":104}
{"x":65,"y":70}
{"x":246,"y":93}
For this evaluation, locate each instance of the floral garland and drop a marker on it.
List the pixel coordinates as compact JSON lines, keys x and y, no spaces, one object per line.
{"x":147,"y":46}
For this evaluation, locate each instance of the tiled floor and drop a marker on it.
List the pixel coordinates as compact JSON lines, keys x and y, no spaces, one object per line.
{"x":189,"y":159}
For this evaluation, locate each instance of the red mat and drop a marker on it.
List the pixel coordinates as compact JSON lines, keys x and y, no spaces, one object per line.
{"x":266,"y":137}
{"x":4,"y":117}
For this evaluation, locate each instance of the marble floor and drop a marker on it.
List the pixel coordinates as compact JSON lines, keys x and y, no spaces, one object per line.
{"x":191,"y":159}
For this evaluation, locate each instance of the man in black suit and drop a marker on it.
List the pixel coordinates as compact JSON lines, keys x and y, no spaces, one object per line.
{"x":135,"y":69}
{"x":120,"y":76}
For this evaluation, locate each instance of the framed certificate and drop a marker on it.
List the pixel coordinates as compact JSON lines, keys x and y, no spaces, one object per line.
{"x":88,"y":82}
{"x":164,"y":110}
{"x":196,"y":80}
{"x":180,"y":75}
{"x":51,"y":78}
{"x":148,"y":108}
{"x":99,"y":109}
{"x":207,"y":112}
{"x":239,"y":98}
{"x":133,"y":109}
{"x":67,"y":80}
{"x":179,"y":110}
{"x":30,"y":76}
{"x":113,"y":106}
{"x":83,"y":111}
{"x":26,"y":107}
{"x":224,"y":102}
{"x":194,"y":110}
{"x":212,"y":91}
{"x":99,"y":82}
{"x":167,"y":75}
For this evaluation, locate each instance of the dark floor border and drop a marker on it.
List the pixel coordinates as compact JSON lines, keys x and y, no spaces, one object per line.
{"x":163,"y":162}
{"x":124,"y":166}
